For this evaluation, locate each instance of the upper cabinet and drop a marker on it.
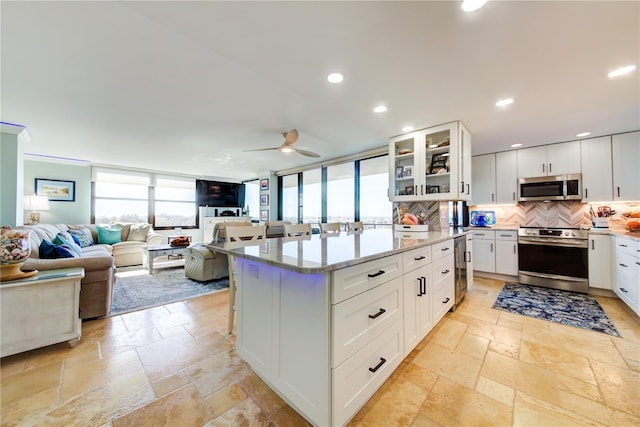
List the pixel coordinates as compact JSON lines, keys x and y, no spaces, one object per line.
{"x":495,"y":179}
{"x":431,"y":164}
{"x":554,"y":159}
{"x":626,"y":169}
{"x":596,"y":170}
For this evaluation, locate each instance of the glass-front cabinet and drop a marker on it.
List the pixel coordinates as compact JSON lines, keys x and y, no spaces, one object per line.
{"x":431,"y":164}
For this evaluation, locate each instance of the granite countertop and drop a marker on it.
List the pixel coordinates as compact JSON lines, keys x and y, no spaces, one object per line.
{"x":617,"y":231}
{"x":494,"y":227}
{"x":322,"y":253}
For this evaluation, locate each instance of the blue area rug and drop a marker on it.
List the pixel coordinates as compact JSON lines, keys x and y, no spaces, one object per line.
{"x":569,"y":308}
{"x":138,"y":289}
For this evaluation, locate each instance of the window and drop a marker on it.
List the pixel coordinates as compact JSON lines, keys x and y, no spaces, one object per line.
{"x":340,"y":193}
{"x":175,"y":202}
{"x":121,"y":196}
{"x":252,"y":198}
{"x":290,"y":198}
{"x":312,"y":196}
{"x":375,"y":207}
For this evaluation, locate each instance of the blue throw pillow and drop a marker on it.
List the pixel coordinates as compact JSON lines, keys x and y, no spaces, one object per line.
{"x":63,"y":241}
{"x":49,"y":250}
{"x":109,"y":236}
{"x":84,"y":236}
{"x":76,"y":239}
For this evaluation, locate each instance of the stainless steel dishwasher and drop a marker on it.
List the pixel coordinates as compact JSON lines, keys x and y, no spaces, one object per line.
{"x":460,"y":257}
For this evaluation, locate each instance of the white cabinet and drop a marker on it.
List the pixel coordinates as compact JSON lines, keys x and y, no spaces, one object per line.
{"x":40,"y":310}
{"x":600,"y":261}
{"x":554,"y":159}
{"x":431,"y":164}
{"x":597,"y":183}
{"x":417,"y":306}
{"x":506,"y":177}
{"x":483,"y":179}
{"x":507,"y":252}
{"x":484,"y":251}
{"x":626,"y":173}
{"x":627,"y":271}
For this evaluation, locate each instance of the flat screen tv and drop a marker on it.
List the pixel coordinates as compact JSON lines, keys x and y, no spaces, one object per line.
{"x":219,"y":194}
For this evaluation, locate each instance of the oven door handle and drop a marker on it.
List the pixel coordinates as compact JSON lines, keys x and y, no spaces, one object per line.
{"x":567,"y":243}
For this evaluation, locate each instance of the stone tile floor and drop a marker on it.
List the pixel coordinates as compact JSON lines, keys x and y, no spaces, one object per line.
{"x":174,"y":365}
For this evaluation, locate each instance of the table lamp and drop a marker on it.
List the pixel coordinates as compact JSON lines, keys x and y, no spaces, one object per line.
{"x":34,"y":204}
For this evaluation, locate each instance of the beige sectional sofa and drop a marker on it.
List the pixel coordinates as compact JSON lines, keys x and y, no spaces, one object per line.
{"x":99,"y":261}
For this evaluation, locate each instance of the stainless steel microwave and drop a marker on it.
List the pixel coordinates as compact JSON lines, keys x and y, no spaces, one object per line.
{"x":559,"y":187}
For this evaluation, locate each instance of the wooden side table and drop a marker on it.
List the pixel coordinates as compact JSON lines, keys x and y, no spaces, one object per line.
{"x":40,"y":310}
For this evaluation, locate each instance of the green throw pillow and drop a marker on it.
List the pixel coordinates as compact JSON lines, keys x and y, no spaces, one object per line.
{"x":109,"y":236}
{"x":61,"y":239}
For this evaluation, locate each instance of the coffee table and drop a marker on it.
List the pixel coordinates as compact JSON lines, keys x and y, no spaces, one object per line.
{"x":151,"y":252}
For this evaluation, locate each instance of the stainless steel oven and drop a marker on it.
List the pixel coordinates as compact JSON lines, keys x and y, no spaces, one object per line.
{"x":554,"y":258}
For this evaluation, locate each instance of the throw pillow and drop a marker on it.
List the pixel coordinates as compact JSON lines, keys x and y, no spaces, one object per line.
{"x":109,"y":236}
{"x":49,"y":250}
{"x":61,"y":240}
{"x":139,"y":232}
{"x":124,"y":229}
{"x":76,"y":240}
{"x":84,"y":236}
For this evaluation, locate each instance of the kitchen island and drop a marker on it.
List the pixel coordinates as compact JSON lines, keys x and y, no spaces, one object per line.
{"x":325,"y":319}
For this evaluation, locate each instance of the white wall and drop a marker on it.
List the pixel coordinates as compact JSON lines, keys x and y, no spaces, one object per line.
{"x":77,"y":212}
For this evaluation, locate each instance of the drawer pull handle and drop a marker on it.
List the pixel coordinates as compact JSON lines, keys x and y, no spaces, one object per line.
{"x":624,"y":246}
{"x":446,"y":300}
{"x":379,"y":273}
{"x":379,"y":365}
{"x":422,"y":283}
{"x":623,"y":265}
{"x":378,"y":314}
{"x":420,"y":258}
{"x":624,"y":290}
{"x":444,"y":249}
{"x":445,"y":272}
{"x":505,"y":235}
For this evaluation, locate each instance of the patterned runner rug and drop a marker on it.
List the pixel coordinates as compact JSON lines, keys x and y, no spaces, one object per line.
{"x":135,"y":290}
{"x":569,"y":308}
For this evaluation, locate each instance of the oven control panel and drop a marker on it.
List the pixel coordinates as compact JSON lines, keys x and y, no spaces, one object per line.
{"x":552,"y":233}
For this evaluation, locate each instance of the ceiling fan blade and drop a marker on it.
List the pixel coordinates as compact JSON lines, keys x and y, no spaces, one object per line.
{"x":307,"y":153}
{"x":263,"y":149}
{"x":291,"y":136}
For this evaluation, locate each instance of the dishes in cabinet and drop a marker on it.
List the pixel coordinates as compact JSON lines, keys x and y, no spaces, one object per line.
{"x":404,"y":151}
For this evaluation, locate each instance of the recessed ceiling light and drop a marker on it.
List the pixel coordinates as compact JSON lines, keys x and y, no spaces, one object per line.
{"x":407,"y":129}
{"x":472,"y":5}
{"x":516,"y":145}
{"x":580,"y":135}
{"x":504,"y":102}
{"x":335,"y":78}
{"x":621,"y":71}
{"x":380,"y":109}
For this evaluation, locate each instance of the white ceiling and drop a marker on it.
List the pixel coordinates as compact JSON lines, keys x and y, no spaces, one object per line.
{"x":187,"y":86}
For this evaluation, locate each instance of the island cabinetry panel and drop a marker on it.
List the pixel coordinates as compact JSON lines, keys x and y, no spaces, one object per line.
{"x":443,"y":289}
{"x":600,"y":261}
{"x":628,"y":272}
{"x":357,"y":379}
{"x":358,"y":320}
{"x":359,"y":278}
{"x":417,"y":306}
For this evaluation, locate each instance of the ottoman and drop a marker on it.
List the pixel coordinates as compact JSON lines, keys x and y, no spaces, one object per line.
{"x":203,"y":265}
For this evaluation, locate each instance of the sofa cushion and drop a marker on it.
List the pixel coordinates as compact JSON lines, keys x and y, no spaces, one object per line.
{"x":109,"y":236}
{"x":124,"y":228}
{"x":84,"y":237}
{"x":138,"y":232}
{"x":62,"y":240}
{"x":50,"y":250}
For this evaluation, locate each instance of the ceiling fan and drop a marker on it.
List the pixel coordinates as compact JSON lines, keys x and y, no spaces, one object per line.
{"x":287,"y":146}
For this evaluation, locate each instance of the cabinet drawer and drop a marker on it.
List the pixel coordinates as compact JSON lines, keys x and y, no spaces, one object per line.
{"x":416,"y":258}
{"x":629,"y":246}
{"x":354,"y":280}
{"x":357,"y":379}
{"x":441,"y":250}
{"x":442,"y":299}
{"x":627,"y":285}
{"x":360,"y":319}
{"x":484,"y":234}
{"x":442,"y":271}
{"x":506,"y":235}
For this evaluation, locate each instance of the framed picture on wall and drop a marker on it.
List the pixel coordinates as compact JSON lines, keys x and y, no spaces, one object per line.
{"x":264,"y":184}
{"x":264,"y":200}
{"x":264,"y":215}
{"x":56,"y":190}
